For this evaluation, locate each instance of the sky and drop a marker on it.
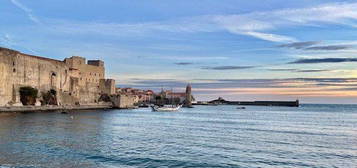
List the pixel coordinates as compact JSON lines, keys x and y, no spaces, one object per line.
{"x":236,"y":49}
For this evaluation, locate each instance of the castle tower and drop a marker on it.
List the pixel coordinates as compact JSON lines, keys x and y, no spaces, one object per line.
{"x":188,"y":101}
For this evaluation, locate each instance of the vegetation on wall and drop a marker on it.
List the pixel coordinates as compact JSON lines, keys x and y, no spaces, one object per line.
{"x":49,"y":98}
{"x":28,"y":95}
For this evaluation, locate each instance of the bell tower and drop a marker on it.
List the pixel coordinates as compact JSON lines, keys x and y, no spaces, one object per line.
{"x":188,"y":101}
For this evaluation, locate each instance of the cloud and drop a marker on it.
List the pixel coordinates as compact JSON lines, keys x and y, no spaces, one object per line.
{"x":270,"y":37}
{"x":299,"y":45}
{"x":27,"y":10}
{"x":299,"y":70}
{"x":247,"y":83}
{"x":330,"y":47}
{"x":256,"y":23}
{"x":323,"y":60}
{"x":245,"y":25}
{"x":260,"y":25}
{"x":184,"y":58}
{"x":183,"y":63}
{"x":313,"y":70}
{"x":312,"y":46}
{"x":228,"y":67}
{"x":282,"y":69}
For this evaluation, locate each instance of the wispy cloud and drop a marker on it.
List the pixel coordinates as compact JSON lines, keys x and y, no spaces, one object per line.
{"x":261,"y":25}
{"x":27,"y":10}
{"x":270,"y":37}
{"x":185,"y":58}
{"x":312,"y":46}
{"x":228,"y":67}
{"x":313,"y":70}
{"x":329,"y":47}
{"x":250,"y":83}
{"x":257,"y":24}
{"x":323,"y":60}
{"x":299,"y":70}
{"x":183,"y":63}
{"x":299,"y":45}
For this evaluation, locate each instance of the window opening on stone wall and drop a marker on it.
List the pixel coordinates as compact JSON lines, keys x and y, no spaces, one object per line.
{"x":14,"y":70}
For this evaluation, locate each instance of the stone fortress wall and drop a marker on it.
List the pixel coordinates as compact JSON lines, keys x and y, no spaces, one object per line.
{"x":74,"y":80}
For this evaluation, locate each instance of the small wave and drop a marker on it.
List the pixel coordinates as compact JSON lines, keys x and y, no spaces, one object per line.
{"x":143,"y":162}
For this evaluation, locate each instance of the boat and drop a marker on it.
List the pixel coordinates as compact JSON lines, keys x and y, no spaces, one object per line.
{"x":167,"y":108}
{"x":240,"y":107}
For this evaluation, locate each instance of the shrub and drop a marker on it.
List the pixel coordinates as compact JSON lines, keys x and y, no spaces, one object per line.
{"x":49,"y":98}
{"x":28,"y":95}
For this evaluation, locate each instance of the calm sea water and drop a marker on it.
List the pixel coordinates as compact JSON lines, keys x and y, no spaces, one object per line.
{"x":205,"y":136}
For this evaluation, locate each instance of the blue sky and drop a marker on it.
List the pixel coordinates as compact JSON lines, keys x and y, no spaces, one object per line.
{"x":238,"y":49}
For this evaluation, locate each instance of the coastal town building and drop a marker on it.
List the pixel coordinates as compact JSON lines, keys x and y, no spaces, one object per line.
{"x":184,"y":98}
{"x":142,"y":96}
{"x":163,"y":97}
{"x":73,"y":81}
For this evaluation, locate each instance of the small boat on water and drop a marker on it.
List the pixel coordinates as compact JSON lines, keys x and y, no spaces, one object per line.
{"x":166,"y":108}
{"x":241,"y":108}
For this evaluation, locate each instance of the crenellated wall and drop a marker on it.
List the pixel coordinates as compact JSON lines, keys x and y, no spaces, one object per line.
{"x":73,"y":79}
{"x":87,"y":77}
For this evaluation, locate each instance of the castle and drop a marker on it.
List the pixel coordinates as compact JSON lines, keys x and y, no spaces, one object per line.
{"x":73,"y":80}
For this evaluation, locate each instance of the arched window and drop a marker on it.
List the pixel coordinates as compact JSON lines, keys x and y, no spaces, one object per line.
{"x":53,"y":79}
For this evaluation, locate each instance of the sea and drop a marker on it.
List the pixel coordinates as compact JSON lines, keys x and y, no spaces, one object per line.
{"x":319,"y":136}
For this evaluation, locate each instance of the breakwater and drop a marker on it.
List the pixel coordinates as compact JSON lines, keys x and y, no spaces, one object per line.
{"x":266,"y":103}
{"x":221,"y":101}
